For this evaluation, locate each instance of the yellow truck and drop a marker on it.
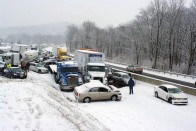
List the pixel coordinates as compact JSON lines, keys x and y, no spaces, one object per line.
{"x":62,"y":54}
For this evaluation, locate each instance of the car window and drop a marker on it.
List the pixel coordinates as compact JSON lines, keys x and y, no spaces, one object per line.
{"x":165,"y":89}
{"x":161,"y":87}
{"x":101,"y":89}
{"x":174,"y":90}
{"x":94,"y":89}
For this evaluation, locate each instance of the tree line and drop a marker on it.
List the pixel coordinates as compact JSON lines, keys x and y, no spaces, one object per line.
{"x":162,"y":36}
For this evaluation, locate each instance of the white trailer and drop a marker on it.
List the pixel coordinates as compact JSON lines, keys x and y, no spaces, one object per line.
{"x":91,"y":64}
{"x":11,"y":58}
{"x":20,"y":48}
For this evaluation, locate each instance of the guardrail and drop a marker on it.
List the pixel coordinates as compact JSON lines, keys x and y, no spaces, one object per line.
{"x":157,"y":70}
{"x":185,"y":89}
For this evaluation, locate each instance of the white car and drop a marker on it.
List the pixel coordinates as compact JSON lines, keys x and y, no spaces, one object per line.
{"x":38,"y":68}
{"x":170,"y":93}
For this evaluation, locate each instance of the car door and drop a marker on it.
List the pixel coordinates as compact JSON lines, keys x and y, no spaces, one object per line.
{"x":163,"y":92}
{"x":94,"y":93}
{"x":104,"y":94}
{"x":160,"y":91}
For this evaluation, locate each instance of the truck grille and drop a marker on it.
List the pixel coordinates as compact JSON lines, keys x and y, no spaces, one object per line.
{"x":72,"y":80}
{"x":98,"y":78}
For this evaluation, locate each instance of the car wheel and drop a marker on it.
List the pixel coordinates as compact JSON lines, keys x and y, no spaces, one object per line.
{"x":156,"y":94}
{"x":11,"y":76}
{"x":114,"y":98}
{"x":39,"y":71}
{"x":170,"y":100}
{"x":86,"y":100}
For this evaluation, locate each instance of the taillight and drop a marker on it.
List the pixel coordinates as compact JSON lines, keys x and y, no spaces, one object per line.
{"x":77,"y":94}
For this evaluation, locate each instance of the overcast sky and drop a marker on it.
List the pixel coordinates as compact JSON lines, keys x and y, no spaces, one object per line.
{"x":102,"y":12}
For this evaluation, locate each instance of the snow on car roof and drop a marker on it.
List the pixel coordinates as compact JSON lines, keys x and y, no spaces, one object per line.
{"x":95,"y":83}
{"x":169,"y":86}
{"x":91,"y":84}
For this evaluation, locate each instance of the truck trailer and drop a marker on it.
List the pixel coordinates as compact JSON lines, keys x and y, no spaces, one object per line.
{"x":92,"y":64}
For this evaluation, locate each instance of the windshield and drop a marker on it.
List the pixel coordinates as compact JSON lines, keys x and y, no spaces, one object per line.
{"x":125,"y":76}
{"x":39,"y":65}
{"x":96,"y":68}
{"x":16,"y":69}
{"x":69,"y":69}
{"x":174,"y":90}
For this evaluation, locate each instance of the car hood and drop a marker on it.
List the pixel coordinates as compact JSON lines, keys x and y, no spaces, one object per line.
{"x":114,"y":88}
{"x":96,"y":74}
{"x":179,"y":95}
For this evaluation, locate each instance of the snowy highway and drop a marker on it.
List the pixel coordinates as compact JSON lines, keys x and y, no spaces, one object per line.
{"x":36,"y":103}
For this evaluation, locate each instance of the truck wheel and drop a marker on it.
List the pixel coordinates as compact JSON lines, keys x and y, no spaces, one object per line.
{"x":61,"y":87}
{"x":56,"y":79}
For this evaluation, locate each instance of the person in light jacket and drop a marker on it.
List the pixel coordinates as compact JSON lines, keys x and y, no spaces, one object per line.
{"x":131,"y":84}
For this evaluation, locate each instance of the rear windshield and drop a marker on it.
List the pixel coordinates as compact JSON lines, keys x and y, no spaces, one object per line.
{"x":16,"y":69}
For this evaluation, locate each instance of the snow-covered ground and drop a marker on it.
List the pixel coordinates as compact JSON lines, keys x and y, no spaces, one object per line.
{"x":167,"y":75}
{"x":37,"y":104}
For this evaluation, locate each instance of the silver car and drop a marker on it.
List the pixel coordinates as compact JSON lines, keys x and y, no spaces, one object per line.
{"x":95,"y":90}
{"x":38,"y":68}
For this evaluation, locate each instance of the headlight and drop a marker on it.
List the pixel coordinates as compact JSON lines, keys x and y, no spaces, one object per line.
{"x":15,"y":74}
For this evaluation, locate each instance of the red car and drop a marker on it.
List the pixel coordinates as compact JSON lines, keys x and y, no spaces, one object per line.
{"x":135,"y":69}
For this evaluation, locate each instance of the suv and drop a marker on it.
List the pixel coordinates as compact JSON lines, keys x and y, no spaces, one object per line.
{"x":120,"y":79}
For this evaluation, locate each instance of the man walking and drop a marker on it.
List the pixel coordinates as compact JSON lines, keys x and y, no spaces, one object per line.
{"x":131,"y":84}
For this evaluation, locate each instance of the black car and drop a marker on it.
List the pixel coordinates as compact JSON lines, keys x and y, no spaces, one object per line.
{"x":120,"y":79}
{"x":14,"y":72}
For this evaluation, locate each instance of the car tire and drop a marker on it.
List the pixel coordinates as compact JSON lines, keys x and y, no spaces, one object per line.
{"x":11,"y":76}
{"x":170,"y":100}
{"x":39,"y":71}
{"x":87,"y":100}
{"x":156,"y":94}
{"x":114,"y":98}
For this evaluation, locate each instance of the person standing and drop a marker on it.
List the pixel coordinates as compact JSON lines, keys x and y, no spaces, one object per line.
{"x":131,"y":84}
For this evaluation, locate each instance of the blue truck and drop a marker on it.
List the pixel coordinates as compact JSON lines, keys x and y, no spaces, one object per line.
{"x":67,"y":75}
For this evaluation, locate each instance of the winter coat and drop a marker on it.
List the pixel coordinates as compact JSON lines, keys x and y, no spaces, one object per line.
{"x":131,"y":83}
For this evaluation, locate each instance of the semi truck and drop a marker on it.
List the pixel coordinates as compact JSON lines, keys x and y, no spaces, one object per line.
{"x":91,"y":63}
{"x":62,"y":54}
{"x":11,"y":58}
{"x":20,"y":48}
{"x":66,"y":74}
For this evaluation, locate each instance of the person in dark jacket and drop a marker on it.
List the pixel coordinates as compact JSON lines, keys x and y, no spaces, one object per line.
{"x":131,"y":84}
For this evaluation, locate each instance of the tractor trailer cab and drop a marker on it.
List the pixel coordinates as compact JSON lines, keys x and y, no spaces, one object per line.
{"x":67,"y":75}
